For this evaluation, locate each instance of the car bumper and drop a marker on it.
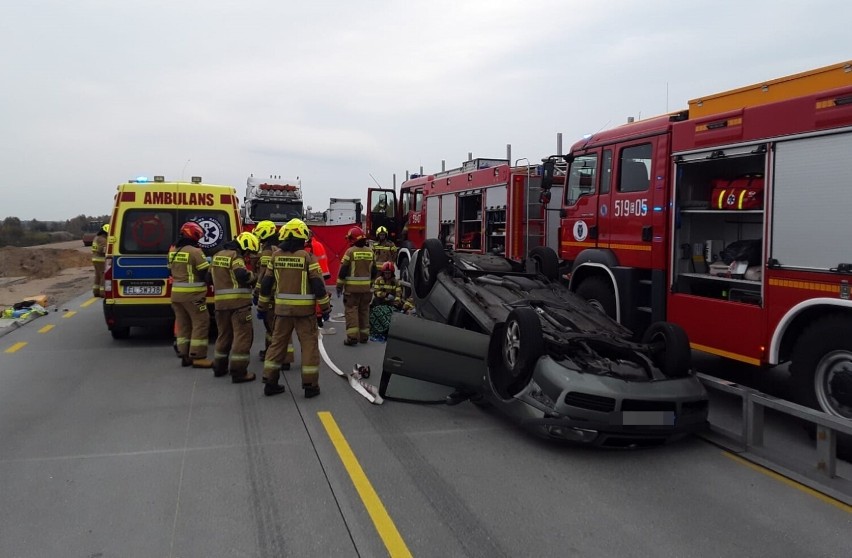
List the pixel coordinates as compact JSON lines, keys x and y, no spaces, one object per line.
{"x":138,"y":315}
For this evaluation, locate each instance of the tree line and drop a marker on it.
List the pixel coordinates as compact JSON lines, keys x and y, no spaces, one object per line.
{"x":14,"y":232}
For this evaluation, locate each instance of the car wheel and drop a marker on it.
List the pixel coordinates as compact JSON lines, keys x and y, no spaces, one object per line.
{"x":402,"y":265}
{"x":546,"y":261}
{"x":671,"y":351}
{"x":431,"y":260}
{"x":598,"y":293}
{"x":822,"y":366}
{"x":522,"y":345}
{"x":120,"y":332}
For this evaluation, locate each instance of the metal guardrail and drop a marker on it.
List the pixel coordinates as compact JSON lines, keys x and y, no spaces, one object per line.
{"x":751,"y":434}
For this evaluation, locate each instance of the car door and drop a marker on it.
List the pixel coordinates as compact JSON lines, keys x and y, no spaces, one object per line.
{"x":434,"y":354}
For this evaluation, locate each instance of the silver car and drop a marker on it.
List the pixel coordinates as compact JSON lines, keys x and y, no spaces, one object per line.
{"x":512,"y":336}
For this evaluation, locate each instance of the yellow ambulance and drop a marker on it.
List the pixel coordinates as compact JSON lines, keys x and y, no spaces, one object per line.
{"x":146,"y":218}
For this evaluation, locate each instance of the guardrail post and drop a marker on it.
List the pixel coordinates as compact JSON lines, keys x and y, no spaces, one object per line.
{"x":826,"y":451}
{"x":754,"y":412}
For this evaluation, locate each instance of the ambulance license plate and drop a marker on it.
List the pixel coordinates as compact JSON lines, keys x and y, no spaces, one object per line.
{"x":143,"y":290}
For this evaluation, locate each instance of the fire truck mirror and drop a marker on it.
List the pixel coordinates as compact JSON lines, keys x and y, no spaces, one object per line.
{"x":544,"y":198}
{"x":547,"y":174}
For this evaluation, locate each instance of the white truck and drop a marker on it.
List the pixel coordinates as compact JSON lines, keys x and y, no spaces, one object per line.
{"x":275,"y":199}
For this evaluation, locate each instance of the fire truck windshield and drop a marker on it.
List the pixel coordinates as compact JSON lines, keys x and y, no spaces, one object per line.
{"x":278,"y":212}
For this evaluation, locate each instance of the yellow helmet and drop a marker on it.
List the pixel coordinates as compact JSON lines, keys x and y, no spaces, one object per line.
{"x":105,"y":228}
{"x":295,"y":228}
{"x":248,"y":242}
{"x":381,"y":230}
{"x":264,"y":229}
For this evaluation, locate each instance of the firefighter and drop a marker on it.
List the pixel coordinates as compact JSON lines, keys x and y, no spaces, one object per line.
{"x":386,"y":288}
{"x":233,"y":283}
{"x":383,"y":247}
{"x":357,"y":270}
{"x":266,"y":231}
{"x":99,"y":245}
{"x":295,"y":282}
{"x":317,"y":248}
{"x":188,"y":267}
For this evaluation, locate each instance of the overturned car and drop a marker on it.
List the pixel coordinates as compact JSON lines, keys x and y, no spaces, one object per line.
{"x":512,"y":336}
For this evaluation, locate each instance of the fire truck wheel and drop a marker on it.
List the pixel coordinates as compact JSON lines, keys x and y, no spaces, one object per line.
{"x":670,"y":349}
{"x":430,"y":261}
{"x":598,"y":293}
{"x":522,"y":344}
{"x":120,"y":332}
{"x":822,"y":366}
{"x":546,"y":261}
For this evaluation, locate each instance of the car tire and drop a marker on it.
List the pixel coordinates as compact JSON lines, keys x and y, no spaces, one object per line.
{"x":598,"y":293}
{"x":821,"y":366}
{"x":521,"y":345}
{"x":674,"y":358}
{"x":430,"y":261}
{"x":546,"y":261}
{"x":120,"y":332}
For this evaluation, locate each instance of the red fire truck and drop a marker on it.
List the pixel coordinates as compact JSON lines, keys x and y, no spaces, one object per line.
{"x":730,"y":219}
{"x":484,"y":206}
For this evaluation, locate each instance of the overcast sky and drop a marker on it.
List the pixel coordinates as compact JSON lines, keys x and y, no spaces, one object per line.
{"x":94,"y":92}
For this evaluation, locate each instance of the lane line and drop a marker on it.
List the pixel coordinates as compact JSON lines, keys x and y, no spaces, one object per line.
{"x":789,"y":482}
{"x":69,"y":313}
{"x":16,"y":347}
{"x":88,"y":302}
{"x":46,"y":328}
{"x":394,"y":544}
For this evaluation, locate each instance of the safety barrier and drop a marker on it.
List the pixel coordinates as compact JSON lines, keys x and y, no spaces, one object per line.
{"x":823,"y":476}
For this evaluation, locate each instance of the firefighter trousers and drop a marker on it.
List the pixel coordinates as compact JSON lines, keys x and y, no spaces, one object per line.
{"x":98,"y":284}
{"x":236,"y":334}
{"x":306,"y":329}
{"x":193,"y":326}
{"x":269,"y":325}
{"x":357,"y":311}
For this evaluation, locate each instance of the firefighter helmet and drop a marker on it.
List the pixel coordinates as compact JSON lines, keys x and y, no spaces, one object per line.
{"x":355,"y":234}
{"x":105,"y":228}
{"x":248,"y":242}
{"x":388,"y":267}
{"x":381,"y":230}
{"x":264,"y":229}
{"x":192,"y":230}
{"x":295,"y":228}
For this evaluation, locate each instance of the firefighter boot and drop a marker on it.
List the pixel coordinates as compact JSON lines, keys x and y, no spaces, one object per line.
{"x":285,"y":366}
{"x":185,"y":361}
{"x":220,"y":367}
{"x":202,"y":363}
{"x":242,"y":377}
{"x":311,"y":391}
{"x":270,"y":389}
{"x":350,"y":341}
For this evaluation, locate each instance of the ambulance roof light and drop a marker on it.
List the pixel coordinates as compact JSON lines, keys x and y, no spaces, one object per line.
{"x":196,"y":180}
{"x":140,"y":179}
{"x":158,"y":178}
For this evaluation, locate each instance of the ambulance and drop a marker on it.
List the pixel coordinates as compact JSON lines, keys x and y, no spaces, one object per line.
{"x":145,"y":222}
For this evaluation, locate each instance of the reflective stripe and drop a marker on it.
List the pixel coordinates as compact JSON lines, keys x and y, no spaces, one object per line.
{"x":181,"y":284}
{"x":295,"y":296}
{"x":196,"y":342}
{"x":239,"y":357}
{"x":233,"y":291}
{"x":357,"y":278}
{"x":221,"y":297}
{"x":98,"y":259}
{"x":295,"y":302}
{"x":189,"y":289}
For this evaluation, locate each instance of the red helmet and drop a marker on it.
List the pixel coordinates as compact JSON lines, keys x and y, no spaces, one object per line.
{"x":388,"y":267}
{"x":355,"y":234}
{"x":192,"y":231}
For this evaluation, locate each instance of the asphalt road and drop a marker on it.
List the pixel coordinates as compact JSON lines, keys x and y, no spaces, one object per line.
{"x":110,"y":448}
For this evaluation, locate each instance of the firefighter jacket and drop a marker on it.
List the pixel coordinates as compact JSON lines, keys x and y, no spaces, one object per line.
{"x":295,"y":283}
{"x":188,"y":267}
{"x":385,"y":251}
{"x":382,"y":288}
{"x":263,"y":259}
{"x":99,"y":248}
{"x":232,"y":282}
{"x":357,"y":269}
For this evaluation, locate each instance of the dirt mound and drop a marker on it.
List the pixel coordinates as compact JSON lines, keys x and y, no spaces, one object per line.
{"x":41,"y":262}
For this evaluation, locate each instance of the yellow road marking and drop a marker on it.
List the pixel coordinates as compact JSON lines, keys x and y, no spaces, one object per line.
{"x":46,"y":328}
{"x":88,"y":302}
{"x":68,"y":314}
{"x":789,"y":482}
{"x":394,"y":544}
{"x":16,"y":347}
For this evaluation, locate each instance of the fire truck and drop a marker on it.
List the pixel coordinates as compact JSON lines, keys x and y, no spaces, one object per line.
{"x":484,"y":206}
{"x":729,"y":218}
{"x":275,"y":199}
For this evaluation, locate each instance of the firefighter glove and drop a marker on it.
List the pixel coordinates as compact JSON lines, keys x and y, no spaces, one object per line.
{"x":326,"y":314}
{"x":261,"y":315}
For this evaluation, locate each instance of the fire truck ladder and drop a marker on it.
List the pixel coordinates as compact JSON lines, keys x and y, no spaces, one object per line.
{"x":535,"y":224}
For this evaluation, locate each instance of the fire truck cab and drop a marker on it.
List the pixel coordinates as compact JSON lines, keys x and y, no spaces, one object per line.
{"x":730,"y":219}
{"x":485,"y":206}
